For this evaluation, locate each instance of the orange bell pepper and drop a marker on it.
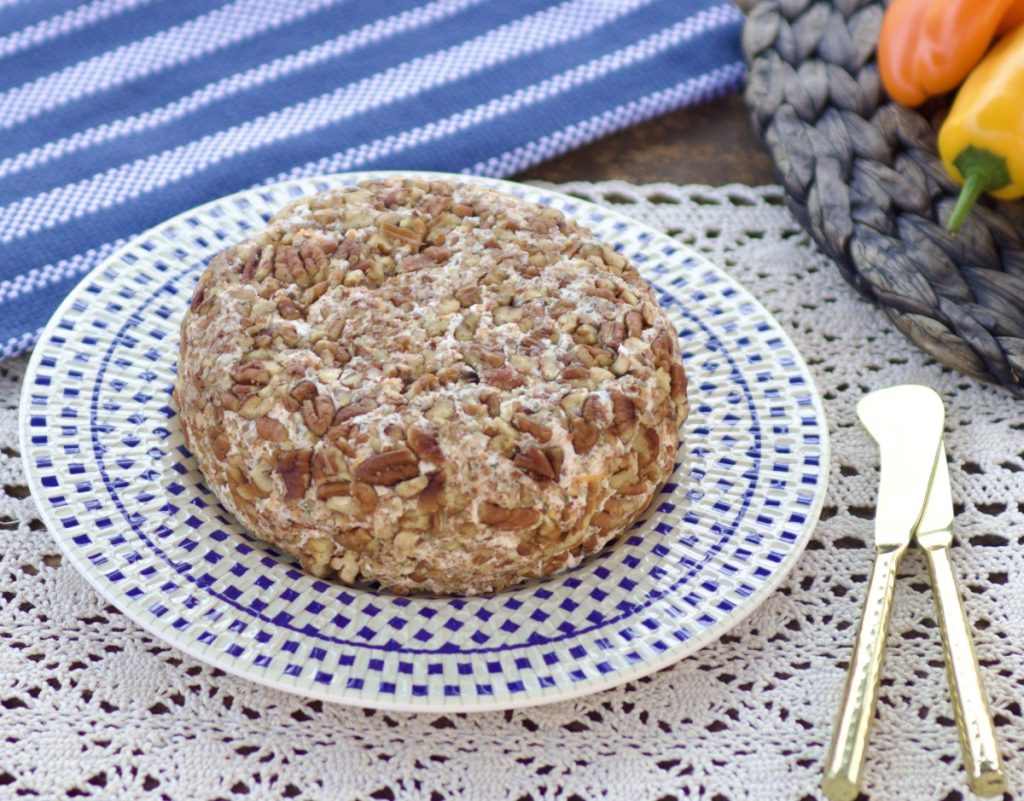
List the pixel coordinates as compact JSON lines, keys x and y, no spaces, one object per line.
{"x":927,"y":47}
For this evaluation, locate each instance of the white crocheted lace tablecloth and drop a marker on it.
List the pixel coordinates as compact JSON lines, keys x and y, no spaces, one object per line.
{"x":93,"y":706}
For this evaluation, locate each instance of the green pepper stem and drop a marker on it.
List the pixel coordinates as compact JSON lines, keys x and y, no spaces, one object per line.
{"x":983,"y":171}
{"x":975,"y":184}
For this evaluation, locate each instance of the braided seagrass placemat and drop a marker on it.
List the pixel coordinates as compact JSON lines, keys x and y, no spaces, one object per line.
{"x":863,"y":177}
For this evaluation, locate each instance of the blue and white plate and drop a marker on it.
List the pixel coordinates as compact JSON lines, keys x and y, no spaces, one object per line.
{"x":123,"y":496}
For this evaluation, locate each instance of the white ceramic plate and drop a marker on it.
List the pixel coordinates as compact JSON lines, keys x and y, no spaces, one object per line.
{"x":123,"y":497}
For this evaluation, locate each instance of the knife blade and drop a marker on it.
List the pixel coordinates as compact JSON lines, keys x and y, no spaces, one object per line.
{"x":906,"y":421}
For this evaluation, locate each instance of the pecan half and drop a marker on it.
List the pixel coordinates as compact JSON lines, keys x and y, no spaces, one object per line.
{"x":251,"y":263}
{"x":335,"y":328}
{"x":534,"y":462}
{"x":198,"y":296}
{"x":425,"y":446}
{"x":220,"y":445}
{"x":286,"y":264}
{"x":405,"y":235}
{"x":269,"y":287}
{"x":661,"y":347}
{"x":255,"y":406}
{"x":304,"y":390}
{"x":623,"y":413}
{"x":600,"y":292}
{"x":503,"y":378}
{"x":261,"y":480}
{"x":539,"y":431}
{"x":314,"y":260}
{"x":332,"y":489}
{"x":437,"y":204}
{"x":287,"y":334}
{"x":243,"y":391}
{"x":592,"y":409}
{"x":315,"y":292}
{"x":432,"y":496}
{"x":293,"y":467}
{"x":354,"y":409}
{"x":263,"y":338}
{"x":647,"y":446}
{"x":329,"y":463}
{"x":289,"y":309}
{"x":365,"y":495}
{"x":438,"y":254}
{"x":331,"y":353}
{"x":556,"y":457}
{"x":389,"y":467}
{"x":347,"y":250}
{"x":584,"y":435}
{"x":251,"y":373}
{"x":355,"y":539}
{"x":634,"y":324}
{"x":612,"y":333}
{"x":679,"y":380}
{"x":492,"y":401}
{"x":499,"y":517}
{"x":271,"y":430}
{"x":317,"y":414}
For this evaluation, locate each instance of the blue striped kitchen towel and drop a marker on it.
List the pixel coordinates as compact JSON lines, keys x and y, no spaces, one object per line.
{"x":117,"y":114}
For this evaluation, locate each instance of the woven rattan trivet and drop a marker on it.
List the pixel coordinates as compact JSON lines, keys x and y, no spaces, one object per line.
{"x":863,"y":177}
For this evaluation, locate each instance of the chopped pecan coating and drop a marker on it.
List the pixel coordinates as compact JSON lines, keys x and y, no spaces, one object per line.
{"x":429,"y":384}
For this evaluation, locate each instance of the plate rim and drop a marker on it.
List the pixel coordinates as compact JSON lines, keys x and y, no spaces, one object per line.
{"x":344,"y":696}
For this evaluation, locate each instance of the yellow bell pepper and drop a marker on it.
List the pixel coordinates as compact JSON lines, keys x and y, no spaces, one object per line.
{"x":982,"y":139}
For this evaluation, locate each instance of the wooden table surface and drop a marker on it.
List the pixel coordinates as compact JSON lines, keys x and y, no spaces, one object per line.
{"x":710,"y":143}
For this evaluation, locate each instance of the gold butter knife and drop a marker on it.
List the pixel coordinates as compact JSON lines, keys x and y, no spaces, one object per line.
{"x":906,"y":422}
{"x":982,"y":760}
{"x":913,"y":498}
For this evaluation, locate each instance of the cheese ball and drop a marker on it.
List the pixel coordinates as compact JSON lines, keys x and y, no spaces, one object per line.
{"x":432,"y":385}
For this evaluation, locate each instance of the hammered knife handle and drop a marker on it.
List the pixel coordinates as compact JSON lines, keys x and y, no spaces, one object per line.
{"x":853,"y":726}
{"x":982,"y":760}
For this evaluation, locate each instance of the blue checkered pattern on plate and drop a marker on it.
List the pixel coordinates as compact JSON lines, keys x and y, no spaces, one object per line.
{"x":126,"y":502}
